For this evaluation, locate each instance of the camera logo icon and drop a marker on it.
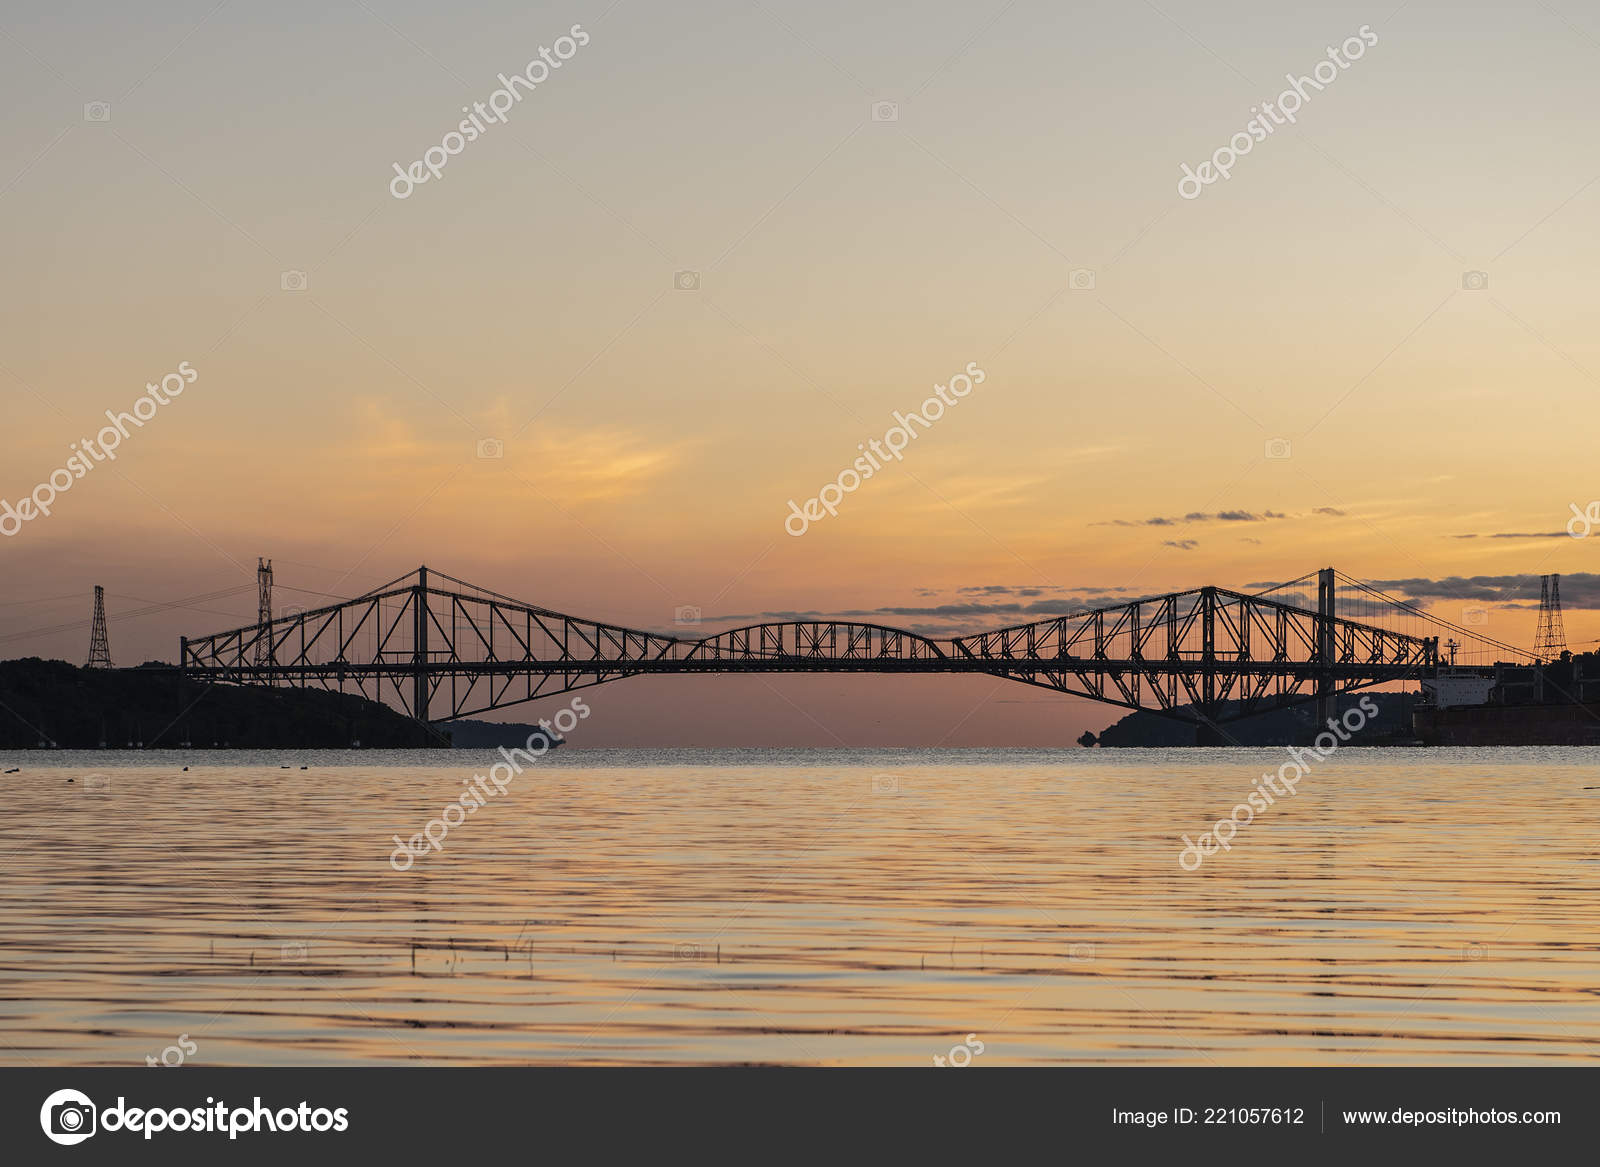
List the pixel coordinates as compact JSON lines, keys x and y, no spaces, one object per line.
{"x":1474,"y":281}
{"x":1473,"y":952}
{"x":97,"y":111}
{"x":885,"y":111}
{"x":885,"y":784}
{"x":1081,"y":279}
{"x":292,"y":950}
{"x":96,"y":784}
{"x":686,"y":614}
{"x":490,"y":449}
{"x":1277,"y":449}
{"x":686,"y":281}
{"x":292,"y":281}
{"x":68,"y":1117}
{"x":1474,"y":617}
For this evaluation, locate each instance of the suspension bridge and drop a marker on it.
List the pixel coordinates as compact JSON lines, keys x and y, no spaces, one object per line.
{"x":440,"y":648}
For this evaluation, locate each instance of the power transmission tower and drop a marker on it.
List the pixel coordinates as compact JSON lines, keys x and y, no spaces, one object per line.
{"x":99,"y":643}
{"x":263,"y":611}
{"x":1551,"y":639}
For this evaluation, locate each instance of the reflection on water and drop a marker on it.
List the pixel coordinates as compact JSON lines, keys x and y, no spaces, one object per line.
{"x":801,"y":906}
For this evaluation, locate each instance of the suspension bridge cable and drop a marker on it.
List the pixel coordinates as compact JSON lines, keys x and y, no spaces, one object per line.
{"x":47,"y":599}
{"x":1418,"y":613}
{"x":1292,"y":583}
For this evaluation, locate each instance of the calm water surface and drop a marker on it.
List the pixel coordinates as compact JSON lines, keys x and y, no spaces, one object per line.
{"x":817,"y":907}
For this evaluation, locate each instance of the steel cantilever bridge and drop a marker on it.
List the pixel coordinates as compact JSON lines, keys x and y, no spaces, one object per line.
{"x":440,"y":648}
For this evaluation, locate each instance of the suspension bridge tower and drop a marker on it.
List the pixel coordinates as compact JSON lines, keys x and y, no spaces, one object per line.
{"x":1550,"y":641}
{"x":264,"y":610}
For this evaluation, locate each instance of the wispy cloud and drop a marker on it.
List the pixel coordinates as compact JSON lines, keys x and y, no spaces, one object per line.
{"x":1516,"y":535}
{"x":578,"y":463}
{"x":1235,"y":516}
{"x":1578,"y":590}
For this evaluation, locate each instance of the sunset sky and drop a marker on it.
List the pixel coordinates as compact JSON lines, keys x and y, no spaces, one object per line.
{"x":872,"y":197}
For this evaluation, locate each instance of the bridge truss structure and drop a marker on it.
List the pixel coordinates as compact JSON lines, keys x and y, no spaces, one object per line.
{"x":439,"y":648}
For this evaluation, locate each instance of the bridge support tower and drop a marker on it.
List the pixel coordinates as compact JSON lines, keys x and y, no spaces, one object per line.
{"x":419,"y":654}
{"x":1327,"y":695}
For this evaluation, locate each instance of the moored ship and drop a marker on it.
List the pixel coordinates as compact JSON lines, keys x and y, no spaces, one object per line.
{"x":1556,"y":703}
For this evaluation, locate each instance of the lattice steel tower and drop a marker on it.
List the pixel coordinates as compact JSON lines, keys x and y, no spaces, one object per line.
{"x":264,"y":609}
{"x":99,"y":643}
{"x":1551,"y":639}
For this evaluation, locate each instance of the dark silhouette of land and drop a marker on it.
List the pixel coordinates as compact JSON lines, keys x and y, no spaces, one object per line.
{"x":1294,"y":726}
{"x":57,"y":704}
{"x":50,"y":703}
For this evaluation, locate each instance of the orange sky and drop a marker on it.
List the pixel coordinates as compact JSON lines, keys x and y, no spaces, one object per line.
{"x":654,"y":435}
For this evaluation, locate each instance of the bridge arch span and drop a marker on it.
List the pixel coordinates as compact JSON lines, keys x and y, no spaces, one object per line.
{"x":819,"y":640}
